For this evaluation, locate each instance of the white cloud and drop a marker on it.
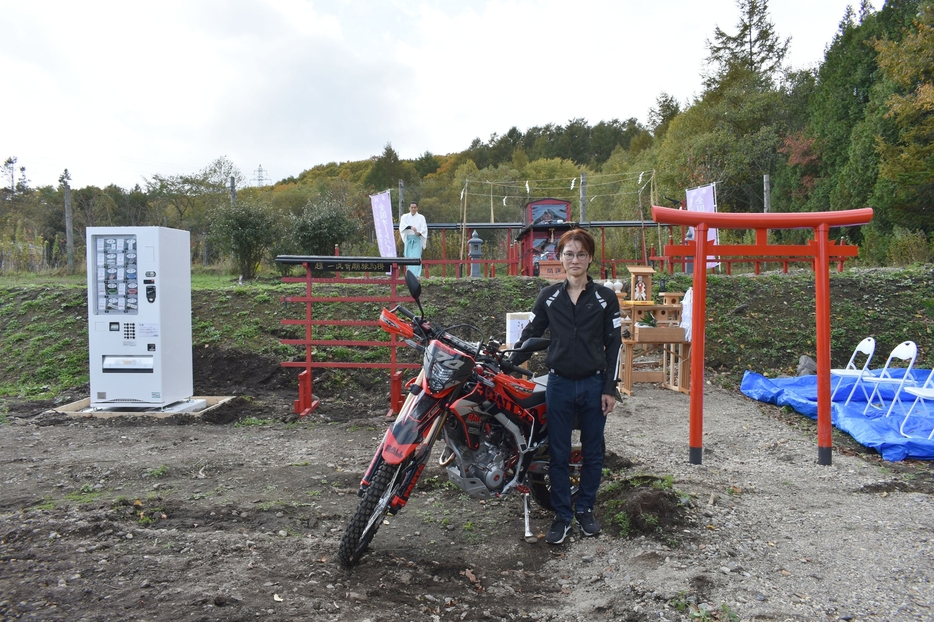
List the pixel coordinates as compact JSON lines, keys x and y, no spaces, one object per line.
{"x":116,"y":91}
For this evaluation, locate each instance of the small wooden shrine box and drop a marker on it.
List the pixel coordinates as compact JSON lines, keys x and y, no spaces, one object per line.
{"x":640,"y":284}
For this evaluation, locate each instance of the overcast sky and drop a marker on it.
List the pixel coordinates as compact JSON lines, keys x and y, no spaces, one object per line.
{"x":119,"y":91}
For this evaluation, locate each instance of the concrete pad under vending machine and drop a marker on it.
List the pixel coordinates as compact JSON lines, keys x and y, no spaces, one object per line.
{"x":197,"y":406}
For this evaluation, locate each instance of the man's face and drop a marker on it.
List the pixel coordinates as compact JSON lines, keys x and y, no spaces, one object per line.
{"x":574,"y":259}
{"x":413,"y":208}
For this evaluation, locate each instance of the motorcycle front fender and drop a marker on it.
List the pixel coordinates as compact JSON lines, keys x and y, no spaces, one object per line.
{"x":412,"y":427}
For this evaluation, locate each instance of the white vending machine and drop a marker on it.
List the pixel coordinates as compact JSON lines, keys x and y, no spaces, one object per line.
{"x":139,"y":317}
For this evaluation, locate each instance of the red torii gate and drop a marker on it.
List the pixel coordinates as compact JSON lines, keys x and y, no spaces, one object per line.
{"x":821,"y":249}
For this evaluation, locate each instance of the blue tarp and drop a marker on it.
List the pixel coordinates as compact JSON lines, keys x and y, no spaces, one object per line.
{"x":873,"y":429}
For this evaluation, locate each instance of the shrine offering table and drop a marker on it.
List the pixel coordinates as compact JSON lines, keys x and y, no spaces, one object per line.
{"x":665,"y":340}
{"x":673,"y":371}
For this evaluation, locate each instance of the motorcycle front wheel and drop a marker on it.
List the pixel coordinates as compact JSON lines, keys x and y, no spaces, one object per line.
{"x":370,"y":513}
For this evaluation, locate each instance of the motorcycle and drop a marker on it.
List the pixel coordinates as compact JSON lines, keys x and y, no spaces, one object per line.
{"x":493,"y":426}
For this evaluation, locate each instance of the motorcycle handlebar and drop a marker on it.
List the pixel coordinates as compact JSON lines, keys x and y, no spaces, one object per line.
{"x":509,"y":367}
{"x":460,"y":343}
{"x":405,"y":312}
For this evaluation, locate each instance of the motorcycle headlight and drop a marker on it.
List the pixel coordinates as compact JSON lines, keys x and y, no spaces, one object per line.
{"x":438,"y":377}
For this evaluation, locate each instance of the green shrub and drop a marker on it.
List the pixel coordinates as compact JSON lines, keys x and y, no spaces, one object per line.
{"x":908,"y":248}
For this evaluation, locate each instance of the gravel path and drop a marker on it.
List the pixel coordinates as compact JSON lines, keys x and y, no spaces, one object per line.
{"x":783,"y":539}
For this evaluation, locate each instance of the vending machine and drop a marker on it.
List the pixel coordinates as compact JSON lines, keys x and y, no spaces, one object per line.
{"x":139,"y":317}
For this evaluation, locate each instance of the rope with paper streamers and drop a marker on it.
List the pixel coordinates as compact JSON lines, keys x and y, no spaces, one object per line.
{"x":600,"y":185}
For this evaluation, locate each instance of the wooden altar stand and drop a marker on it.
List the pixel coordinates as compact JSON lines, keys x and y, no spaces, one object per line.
{"x":664,"y":342}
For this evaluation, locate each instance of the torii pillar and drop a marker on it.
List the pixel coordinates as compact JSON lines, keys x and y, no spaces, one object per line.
{"x":821,"y":249}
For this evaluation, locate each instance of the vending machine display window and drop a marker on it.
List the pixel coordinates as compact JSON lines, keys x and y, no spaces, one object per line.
{"x":117,"y":272}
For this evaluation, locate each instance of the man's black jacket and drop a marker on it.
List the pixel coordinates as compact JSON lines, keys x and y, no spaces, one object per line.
{"x":585,"y":338}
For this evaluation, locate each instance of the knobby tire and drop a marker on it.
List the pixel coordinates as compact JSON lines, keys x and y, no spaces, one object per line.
{"x":369,"y":515}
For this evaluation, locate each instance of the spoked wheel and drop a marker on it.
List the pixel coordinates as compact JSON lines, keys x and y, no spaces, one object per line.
{"x":540,"y":484}
{"x":369,"y":515}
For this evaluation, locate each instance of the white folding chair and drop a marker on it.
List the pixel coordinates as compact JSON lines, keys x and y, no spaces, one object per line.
{"x":922,"y":393}
{"x":868,"y":347}
{"x":905,"y":351}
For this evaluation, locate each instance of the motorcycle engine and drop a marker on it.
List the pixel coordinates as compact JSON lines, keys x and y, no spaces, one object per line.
{"x":481,"y":473}
{"x":487,"y":465}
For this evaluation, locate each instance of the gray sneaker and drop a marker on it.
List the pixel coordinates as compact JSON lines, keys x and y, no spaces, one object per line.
{"x":558,"y":531}
{"x":588,"y":524}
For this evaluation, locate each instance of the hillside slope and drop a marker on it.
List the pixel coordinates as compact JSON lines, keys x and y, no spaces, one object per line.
{"x":763,"y":323}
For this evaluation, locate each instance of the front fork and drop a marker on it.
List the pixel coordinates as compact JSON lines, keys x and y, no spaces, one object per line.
{"x":412,"y":469}
{"x":378,"y":456}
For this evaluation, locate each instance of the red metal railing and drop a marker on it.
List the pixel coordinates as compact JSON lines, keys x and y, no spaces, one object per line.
{"x":307,"y":402}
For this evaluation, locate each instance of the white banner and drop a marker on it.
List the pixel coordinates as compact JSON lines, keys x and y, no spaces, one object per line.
{"x":382,"y":218}
{"x":704,"y":199}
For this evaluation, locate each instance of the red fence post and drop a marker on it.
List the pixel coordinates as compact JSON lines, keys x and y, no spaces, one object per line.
{"x":395,"y":392}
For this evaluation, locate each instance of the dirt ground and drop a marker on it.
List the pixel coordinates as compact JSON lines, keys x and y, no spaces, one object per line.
{"x":238,"y":515}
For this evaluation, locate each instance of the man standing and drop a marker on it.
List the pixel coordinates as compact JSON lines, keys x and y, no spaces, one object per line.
{"x":583,"y":358}
{"x":414,"y":233}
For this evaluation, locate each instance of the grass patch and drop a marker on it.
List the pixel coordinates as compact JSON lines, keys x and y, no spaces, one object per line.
{"x":47,"y":504}
{"x":85,"y":494}
{"x":159,"y":471}
{"x":757,"y":322}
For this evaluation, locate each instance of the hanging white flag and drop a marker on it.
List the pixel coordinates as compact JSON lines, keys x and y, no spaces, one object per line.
{"x":527,"y":191}
{"x":573,"y":179}
{"x":504,"y":201}
{"x":704,"y":199}
{"x":382,"y":218}
{"x":462,"y":192}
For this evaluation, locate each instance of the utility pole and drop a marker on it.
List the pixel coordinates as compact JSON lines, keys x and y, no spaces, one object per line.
{"x":401,"y":197}
{"x":583,"y":190}
{"x":767,"y":193}
{"x":233,"y":191}
{"x":69,"y":238}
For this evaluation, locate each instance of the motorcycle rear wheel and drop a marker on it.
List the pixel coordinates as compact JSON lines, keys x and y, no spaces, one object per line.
{"x":369,"y":515}
{"x":540,"y":485}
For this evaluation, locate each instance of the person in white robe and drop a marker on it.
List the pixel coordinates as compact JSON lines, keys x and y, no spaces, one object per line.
{"x":413,"y":229}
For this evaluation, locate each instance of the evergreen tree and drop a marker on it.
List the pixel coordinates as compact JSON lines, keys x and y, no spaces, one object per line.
{"x":755,"y":47}
{"x":906,"y":168}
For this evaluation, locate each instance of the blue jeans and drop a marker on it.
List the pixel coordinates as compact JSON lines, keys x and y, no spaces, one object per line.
{"x":569,"y":399}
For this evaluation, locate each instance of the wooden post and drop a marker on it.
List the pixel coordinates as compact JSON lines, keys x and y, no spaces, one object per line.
{"x":822,"y":312}
{"x":69,"y":236}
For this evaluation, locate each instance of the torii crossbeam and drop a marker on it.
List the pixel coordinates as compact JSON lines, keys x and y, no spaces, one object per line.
{"x":821,"y":249}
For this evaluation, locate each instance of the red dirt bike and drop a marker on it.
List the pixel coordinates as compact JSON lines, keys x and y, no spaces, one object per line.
{"x":493,"y":426}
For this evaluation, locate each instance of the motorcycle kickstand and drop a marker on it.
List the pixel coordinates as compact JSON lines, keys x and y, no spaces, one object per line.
{"x":529,"y":536}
